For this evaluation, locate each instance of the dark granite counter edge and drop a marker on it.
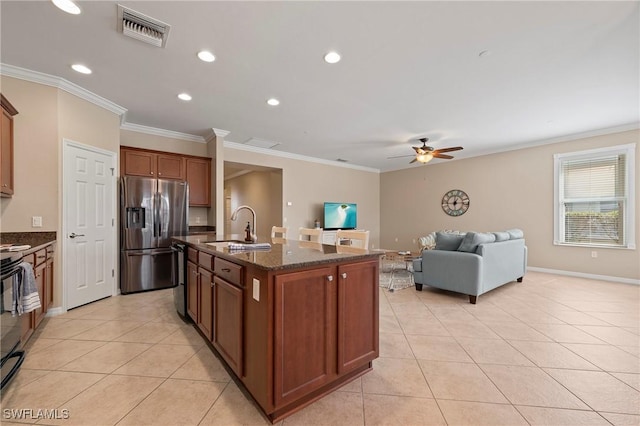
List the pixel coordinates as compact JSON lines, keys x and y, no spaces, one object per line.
{"x":37,"y":240}
{"x":344,"y":257}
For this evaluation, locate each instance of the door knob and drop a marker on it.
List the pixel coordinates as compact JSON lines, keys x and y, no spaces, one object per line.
{"x":73,"y":235}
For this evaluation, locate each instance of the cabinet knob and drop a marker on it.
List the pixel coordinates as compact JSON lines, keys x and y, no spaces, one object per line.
{"x":330,"y":278}
{"x":159,"y":174}
{"x":5,"y":185}
{"x":344,"y":275}
{"x":151,"y":172}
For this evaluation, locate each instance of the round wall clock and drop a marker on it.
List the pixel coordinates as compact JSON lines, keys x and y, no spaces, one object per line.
{"x":455,"y":202}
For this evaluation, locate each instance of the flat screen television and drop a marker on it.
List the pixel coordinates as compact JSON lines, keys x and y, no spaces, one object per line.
{"x":340,"y":216}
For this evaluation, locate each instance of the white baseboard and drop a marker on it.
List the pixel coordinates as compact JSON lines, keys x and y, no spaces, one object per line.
{"x":52,"y":312}
{"x":583,"y":275}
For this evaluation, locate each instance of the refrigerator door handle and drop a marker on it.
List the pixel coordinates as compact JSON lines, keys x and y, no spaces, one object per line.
{"x":156,"y":215}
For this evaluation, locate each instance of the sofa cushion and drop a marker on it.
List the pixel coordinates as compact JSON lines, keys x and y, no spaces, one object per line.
{"x":447,"y":241}
{"x":502,"y":236}
{"x":472,"y":240}
{"x":515,"y":234}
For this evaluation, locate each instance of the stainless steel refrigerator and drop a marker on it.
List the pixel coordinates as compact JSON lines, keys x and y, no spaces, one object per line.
{"x":151,"y":212}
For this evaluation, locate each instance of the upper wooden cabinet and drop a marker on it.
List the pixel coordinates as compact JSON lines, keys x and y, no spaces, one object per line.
{"x":135,"y":162}
{"x":6,"y":149}
{"x":164,"y":165}
{"x":199,"y":179}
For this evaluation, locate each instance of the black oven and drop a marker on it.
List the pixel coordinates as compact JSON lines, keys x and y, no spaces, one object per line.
{"x":12,"y":358}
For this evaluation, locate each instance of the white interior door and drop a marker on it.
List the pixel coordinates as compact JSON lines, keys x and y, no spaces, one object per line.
{"x":89,"y":243}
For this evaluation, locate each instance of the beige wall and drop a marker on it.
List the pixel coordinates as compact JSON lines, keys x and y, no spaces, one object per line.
{"x":262,"y":191}
{"x":307,"y":185}
{"x":161,"y":143}
{"x":507,"y":190}
{"x":36,"y":163}
{"x":46,"y":117}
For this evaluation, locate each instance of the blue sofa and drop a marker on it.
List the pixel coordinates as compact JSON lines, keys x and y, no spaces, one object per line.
{"x":472,"y":263}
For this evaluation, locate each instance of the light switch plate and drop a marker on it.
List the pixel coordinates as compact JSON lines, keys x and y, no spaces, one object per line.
{"x":256,"y":289}
{"x":36,"y":222}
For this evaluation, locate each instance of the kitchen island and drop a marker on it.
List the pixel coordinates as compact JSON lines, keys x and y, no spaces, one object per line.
{"x":293,"y":323}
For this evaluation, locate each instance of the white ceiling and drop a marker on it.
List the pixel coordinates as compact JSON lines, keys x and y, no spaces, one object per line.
{"x":409,"y":69}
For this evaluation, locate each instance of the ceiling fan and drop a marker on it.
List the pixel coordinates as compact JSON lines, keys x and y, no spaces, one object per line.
{"x":425,"y":153}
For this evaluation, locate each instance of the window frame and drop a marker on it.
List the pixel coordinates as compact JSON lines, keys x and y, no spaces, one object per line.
{"x":629,"y":206}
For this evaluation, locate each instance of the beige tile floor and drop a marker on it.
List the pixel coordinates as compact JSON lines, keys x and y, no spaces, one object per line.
{"x":550,"y":351}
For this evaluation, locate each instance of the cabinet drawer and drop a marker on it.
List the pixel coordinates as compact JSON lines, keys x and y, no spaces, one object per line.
{"x":192,"y":255}
{"x":41,"y":256}
{"x":30,"y":258}
{"x":205,"y":260}
{"x":229,"y":271}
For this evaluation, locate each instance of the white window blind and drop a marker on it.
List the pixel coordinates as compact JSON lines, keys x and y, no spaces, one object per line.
{"x":593,"y":197}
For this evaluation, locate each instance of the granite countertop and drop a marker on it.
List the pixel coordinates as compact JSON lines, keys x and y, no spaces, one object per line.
{"x":36,"y":240}
{"x":284,"y":254}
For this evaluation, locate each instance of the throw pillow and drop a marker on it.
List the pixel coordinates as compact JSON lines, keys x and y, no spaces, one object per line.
{"x":446,"y":241}
{"x":515,"y":234}
{"x":502,"y":236}
{"x":472,"y":240}
{"x":428,"y":242}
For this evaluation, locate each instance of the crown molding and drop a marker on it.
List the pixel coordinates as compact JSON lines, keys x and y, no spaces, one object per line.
{"x":162,"y":132}
{"x":289,"y":155}
{"x":62,"y":84}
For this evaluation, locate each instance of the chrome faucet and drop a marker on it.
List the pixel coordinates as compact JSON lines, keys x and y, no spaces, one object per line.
{"x":234,"y":216}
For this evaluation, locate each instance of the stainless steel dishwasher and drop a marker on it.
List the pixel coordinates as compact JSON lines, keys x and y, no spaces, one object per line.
{"x":180,"y":279}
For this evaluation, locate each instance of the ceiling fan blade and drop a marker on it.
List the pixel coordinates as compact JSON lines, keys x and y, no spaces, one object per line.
{"x":401,"y":156}
{"x":445,"y":156}
{"x":413,"y":161}
{"x":455,"y":148}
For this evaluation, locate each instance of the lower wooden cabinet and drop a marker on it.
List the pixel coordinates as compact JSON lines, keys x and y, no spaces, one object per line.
{"x":40,"y":273}
{"x":42,"y":263}
{"x":192,"y":291}
{"x":227,"y":323}
{"x":304,"y":332}
{"x":205,"y":302}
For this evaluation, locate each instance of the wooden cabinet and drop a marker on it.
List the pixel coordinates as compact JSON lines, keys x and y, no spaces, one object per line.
{"x":304,"y":333}
{"x":192,"y":291}
{"x":138,"y":162}
{"x":42,"y":263}
{"x":357,"y":315}
{"x":228,"y":293}
{"x":205,"y":302}
{"x":199,"y":180}
{"x":164,"y":165}
{"x":6,"y":148}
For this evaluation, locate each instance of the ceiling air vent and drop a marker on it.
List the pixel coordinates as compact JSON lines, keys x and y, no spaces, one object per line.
{"x":141,"y":27}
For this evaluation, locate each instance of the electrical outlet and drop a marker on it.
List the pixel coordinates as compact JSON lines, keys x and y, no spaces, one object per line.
{"x":36,"y":222}
{"x":594,"y":254}
{"x":396,"y":239}
{"x":256,"y":289}
{"x":197,"y":219}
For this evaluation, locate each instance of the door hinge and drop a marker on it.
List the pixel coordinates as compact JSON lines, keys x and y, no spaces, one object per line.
{"x":113,"y":272}
{"x":112,"y":171}
{"x":113,"y":222}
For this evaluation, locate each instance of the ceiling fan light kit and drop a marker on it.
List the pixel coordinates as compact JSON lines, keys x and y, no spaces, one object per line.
{"x":425,"y":153}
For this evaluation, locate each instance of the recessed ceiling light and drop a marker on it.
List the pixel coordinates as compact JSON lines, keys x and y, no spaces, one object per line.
{"x":332,"y":58}
{"x":67,"y":5}
{"x":273,"y":102}
{"x":206,"y":56}
{"x":184,"y":97}
{"x":81,"y":69}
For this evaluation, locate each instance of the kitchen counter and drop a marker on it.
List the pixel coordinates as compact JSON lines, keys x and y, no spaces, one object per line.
{"x":293,"y":323}
{"x":36,"y":240}
{"x":284,"y":254}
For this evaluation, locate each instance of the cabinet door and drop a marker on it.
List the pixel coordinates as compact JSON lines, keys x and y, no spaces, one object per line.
{"x":227,"y":323}
{"x":199,"y":179}
{"x":170,"y":166}
{"x":205,"y":306}
{"x":357,"y":315}
{"x":6,"y":154}
{"x":192,"y":291}
{"x":304,"y":332}
{"x":40,"y":278}
{"x":138,"y":163}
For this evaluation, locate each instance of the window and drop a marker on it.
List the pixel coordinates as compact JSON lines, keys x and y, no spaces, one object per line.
{"x":594,"y":204}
